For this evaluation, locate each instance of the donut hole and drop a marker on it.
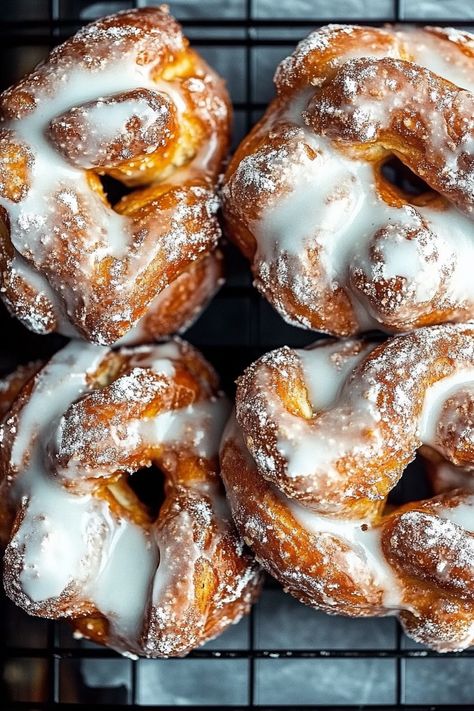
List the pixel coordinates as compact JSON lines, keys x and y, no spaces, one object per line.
{"x":113,"y":189}
{"x":406,"y":182}
{"x":414,"y":484}
{"x":148,"y":485}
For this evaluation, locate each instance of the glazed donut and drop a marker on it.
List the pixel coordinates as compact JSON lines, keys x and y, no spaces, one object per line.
{"x":80,"y":542}
{"x":334,"y":244}
{"x":127,"y":99}
{"x":320,"y":438}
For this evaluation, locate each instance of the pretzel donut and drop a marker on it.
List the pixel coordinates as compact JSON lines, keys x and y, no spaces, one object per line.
{"x":80,"y":543}
{"x":124,"y":98}
{"x":320,"y":438}
{"x":334,"y":245}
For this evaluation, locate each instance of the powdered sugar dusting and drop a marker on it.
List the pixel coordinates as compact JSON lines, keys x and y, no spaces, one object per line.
{"x":334,"y":246}
{"x":80,"y":526}
{"x":321,"y":436}
{"x":416,"y":561}
{"x":101,"y":102}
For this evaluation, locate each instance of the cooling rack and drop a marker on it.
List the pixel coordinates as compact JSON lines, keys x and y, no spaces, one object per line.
{"x":283,"y":655}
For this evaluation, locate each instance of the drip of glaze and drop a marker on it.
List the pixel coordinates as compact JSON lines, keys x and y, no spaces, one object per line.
{"x":339,"y":216}
{"x":360,"y":535}
{"x":51,"y":174}
{"x":325,"y":369}
{"x":74,"y":544}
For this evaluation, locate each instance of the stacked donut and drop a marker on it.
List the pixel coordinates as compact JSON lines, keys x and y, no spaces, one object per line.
{"x":320,"y":438}
{"x":334,"y":244}
{"x":114,"y":514}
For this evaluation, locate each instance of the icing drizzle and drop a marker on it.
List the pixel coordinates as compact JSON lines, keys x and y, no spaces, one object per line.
{"x":71,"y":554}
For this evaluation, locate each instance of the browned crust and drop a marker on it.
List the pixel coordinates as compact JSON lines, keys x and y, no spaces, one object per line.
{"x":226,"y":580}
{"x":94,"y":305}
{"x":431,"y":556}
{"x":302,"y":288}
{"x":326,"y":573}
{"x":375,"y":461}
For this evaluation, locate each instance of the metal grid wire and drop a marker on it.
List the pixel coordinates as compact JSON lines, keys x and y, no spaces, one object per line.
{"x":39,"y":659}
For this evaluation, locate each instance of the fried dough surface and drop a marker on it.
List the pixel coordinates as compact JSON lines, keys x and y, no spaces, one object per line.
{"x":126,"y":99}
{"x":319,"y":439}
{"x":336,"y":243}
{"x":81,"y":543}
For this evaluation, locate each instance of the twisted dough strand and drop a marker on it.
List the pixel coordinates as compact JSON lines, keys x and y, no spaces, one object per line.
{"x":125,"y":98}
{"x":334,"y":245}
{"x":80,"y":543}
{"x":319,"y":440}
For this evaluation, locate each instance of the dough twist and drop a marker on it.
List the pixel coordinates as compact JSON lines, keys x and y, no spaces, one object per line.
{"x":80,"y":542}
{"x":321,"y":437}
{"x":125,"y":98}
{"x":334,"y":244}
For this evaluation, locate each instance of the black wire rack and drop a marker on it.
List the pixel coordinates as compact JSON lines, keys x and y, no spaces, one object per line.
{"x":40,"y":661}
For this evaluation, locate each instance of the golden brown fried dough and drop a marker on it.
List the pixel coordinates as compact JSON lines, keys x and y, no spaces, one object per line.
{"x":124,"y":99}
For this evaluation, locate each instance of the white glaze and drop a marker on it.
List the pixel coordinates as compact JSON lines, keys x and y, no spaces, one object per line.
{"x":167,"y":568}
{"x":363,"y":537}
{"x":61,"y":382}
{"x":197,"y":426}
{"x":341,"y":216}
{"x":160,"y":352}
{"x":139,"y":333}
{"x":435,"y":398}
{"x":327,"y":202}
{"x":121,"y":589}
{"x":359,"y":534}
{"x":325,"y":370}
{"x":54,"y":180}
{"x":26,"y":273}
{"x":54,"y":556}
{"x":307,"y":450}
{"x":73,"y":544}
{"x":108,"y":121}
{"x":426,"y":50}
{"x":462,"y":514}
